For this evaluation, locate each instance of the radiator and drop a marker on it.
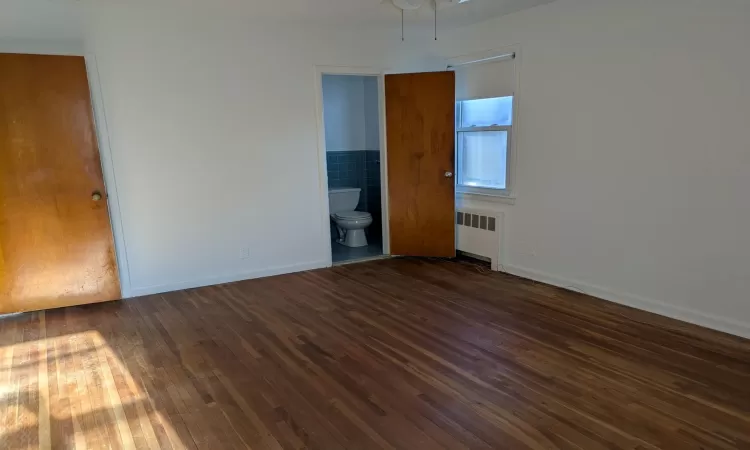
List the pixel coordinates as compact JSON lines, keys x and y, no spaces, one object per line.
{"x":479,"y":233}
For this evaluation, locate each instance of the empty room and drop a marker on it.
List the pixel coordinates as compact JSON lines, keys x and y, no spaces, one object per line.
{"x":374,"y":224}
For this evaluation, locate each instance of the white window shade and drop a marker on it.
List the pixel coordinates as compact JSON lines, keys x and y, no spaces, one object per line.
{"x":486,"y":80}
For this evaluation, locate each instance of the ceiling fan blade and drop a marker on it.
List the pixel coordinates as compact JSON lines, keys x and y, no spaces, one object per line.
{"x":408,"y":5}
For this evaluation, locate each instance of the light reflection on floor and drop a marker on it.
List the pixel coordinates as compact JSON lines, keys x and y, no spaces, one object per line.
{"x":54,"y":392}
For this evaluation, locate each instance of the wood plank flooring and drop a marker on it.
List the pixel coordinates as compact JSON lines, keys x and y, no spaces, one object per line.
{"x":394,"y":354}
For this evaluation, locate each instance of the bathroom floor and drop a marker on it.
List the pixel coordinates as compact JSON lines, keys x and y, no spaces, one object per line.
{"x":342,"y":253}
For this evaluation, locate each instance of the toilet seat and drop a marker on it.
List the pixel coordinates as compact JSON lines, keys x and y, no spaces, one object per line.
{"x":352,"y":215}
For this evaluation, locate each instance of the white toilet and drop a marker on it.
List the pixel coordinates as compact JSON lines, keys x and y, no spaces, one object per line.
{"x":351,"y":224}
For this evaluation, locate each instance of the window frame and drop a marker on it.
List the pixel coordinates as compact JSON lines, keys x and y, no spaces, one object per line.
{"x":509,"y":194}
{"x":486,"y":191}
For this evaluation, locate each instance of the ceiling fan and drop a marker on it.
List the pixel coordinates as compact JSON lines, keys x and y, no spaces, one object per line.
{"x":413,"y":5}
{"x":408,"y":5}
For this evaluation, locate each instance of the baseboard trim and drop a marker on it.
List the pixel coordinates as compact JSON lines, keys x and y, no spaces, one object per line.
{"x":663,"y":309}
{"x":221,"y":279}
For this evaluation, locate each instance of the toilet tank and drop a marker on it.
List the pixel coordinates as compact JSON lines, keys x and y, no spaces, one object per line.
{"x":343,"y":200}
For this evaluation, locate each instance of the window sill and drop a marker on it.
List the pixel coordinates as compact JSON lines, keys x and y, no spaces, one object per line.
{"x":491,"y":198}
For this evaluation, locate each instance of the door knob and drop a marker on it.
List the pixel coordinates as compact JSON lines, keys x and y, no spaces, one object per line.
{"x":448,"y":174}
{"x":96,"y":196}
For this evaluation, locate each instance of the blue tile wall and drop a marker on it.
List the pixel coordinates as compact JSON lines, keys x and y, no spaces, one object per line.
{"x":359,"y":169}
{"x":345,"y":169}
{"x":372,"y":191}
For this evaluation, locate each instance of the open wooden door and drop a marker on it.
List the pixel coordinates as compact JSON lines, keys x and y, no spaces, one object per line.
{"x":56,"y":246}
{"x":420,"y":123}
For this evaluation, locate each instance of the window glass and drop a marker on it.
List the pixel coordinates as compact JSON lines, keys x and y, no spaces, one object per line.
{"x":483,"y":159}
{"x":487,"y":112}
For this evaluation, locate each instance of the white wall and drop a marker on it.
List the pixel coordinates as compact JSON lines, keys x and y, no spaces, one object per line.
{"x":214,"y":139}
{"x":213,"y":134}
{"x":38,"y":20}
{"x":633,"y":169}
{"x":350,"y":108}
{"x":632,"y":163}
{"x":372,"y":113}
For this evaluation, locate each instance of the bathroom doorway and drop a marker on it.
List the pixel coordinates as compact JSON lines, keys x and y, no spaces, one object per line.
{"x":354,"y":165}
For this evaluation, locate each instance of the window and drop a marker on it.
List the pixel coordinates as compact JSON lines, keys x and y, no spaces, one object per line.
{"x":486,"y":95}
{"x":483,"y":133}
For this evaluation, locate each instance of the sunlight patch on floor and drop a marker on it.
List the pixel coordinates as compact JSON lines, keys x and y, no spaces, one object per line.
{"x":51,"y":391}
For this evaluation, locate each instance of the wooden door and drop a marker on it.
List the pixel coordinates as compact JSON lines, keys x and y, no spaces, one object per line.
{"x":56,"y":246}
{"x":420,"y":126}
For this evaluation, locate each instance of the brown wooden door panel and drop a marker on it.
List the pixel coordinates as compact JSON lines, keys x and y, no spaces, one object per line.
{"x":56,"y":246}
{"x":420,"y":121}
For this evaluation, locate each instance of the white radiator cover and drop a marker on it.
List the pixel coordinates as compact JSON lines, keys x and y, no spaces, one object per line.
{"x":480,"y":233}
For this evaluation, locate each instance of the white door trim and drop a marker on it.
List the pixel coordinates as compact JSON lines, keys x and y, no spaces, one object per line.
{"x":322,"y":164}
{"x":108,"y":169}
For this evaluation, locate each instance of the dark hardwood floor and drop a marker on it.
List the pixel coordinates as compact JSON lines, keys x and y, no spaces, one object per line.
{"x":394,"y":354}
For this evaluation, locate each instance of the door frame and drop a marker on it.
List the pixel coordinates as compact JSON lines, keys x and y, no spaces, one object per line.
{"x":102,"y":135}
{"x":325,"y":217}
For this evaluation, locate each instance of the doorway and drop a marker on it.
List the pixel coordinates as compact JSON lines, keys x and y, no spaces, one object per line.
{"x":416,"y":163}
{"x":354,"y":166}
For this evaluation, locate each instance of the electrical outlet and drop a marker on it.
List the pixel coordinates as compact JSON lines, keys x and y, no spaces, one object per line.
{"x":245,"y":253}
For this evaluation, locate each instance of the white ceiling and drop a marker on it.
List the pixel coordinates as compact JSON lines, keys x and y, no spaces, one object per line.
{"x":61,"y":19}
{"x":383,"y":12}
